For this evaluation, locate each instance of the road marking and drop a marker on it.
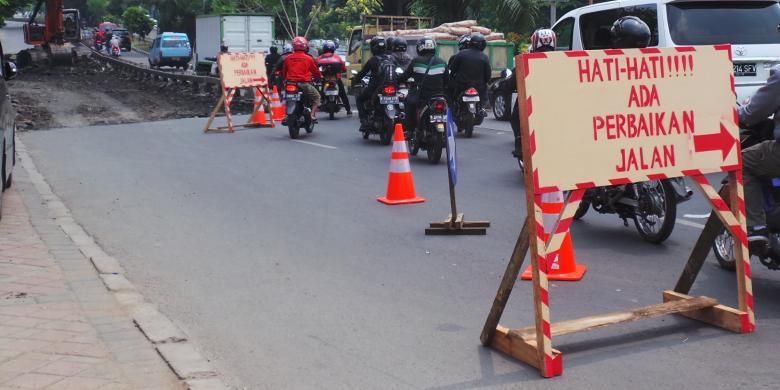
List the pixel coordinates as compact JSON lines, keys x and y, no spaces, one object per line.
{"x":691,"y":224}
{"x":697,"y":216}
{"x":314,"y":144}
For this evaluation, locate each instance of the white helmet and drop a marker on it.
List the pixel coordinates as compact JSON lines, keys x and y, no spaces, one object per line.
{"x":543,"y":39}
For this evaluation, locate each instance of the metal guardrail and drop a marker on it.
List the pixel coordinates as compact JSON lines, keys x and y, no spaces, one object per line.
{"x":198,"y":83}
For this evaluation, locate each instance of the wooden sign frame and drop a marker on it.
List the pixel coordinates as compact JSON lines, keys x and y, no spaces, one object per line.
{"x":258,"y":85}
{"x":533,"y":344}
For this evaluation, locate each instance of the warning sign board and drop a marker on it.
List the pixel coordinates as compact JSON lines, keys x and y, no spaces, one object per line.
{"x":618,"y":116}
{"x":242,"y":70}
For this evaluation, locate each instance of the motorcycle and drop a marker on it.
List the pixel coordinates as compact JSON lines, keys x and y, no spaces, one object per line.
{"x":385,"y":111}
{"x":652,"y":205}
{"x":98,"y":45}
{"x":298,"y":110}
{"x":723,"y":246}
{"x":431,"y":127}
{"x":116,"y":51}
{"x":468,"y":111}
{"x":332,"y":103}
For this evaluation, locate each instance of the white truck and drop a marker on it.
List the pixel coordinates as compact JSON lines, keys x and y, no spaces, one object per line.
{"x":239,"y":32}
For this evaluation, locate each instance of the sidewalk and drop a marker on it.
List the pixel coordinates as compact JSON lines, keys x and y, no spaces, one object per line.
{"x":60,"y":328}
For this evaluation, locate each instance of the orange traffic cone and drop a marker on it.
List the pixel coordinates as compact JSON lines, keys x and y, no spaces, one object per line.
{"x":258,"y":118}
{"x":564,"y":266}
{"x":276,"y":106}
{"x":400,"y":184}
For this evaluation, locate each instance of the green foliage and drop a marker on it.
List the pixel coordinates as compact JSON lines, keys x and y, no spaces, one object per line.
{"x":97,"y":9}
{"x":136,"y":21}
{"x":9,"y":7}
{"x":336,"y":20}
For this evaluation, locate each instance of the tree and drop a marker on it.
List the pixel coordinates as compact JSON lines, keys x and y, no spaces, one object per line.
{"x":98,"y":9}
{"x":136,"y":21}
{"x":338,"y":18}
{"x":9,"y":7}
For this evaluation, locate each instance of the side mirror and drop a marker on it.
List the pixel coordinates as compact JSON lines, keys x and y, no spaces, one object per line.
{"x":10,"y":70}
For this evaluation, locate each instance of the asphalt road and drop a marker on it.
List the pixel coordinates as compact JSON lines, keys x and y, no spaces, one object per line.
{"x":277,"y":260}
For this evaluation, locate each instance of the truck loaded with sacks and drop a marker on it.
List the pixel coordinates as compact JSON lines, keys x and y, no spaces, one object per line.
{"x":499,"y":51}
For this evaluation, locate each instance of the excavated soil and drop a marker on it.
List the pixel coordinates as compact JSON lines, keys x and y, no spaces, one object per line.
{"x":91,"y":93}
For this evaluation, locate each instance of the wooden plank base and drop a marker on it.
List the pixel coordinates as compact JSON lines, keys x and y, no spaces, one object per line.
{"x":719,"y":315}
{"x":525,"y":351}
{"x":598,"y":321}
{"x":449,"y":227}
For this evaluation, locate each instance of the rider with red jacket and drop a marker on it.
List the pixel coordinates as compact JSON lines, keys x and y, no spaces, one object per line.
{"x":301,"y":68}
{"x":332,"y":67}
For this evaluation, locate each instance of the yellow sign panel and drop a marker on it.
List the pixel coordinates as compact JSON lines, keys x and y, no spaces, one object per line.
{"x":617,"y":116}
{"x":242,"y":70}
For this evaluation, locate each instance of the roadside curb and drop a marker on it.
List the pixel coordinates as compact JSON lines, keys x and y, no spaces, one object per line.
{"x":139,"y":51}
{"x":169,"y":341}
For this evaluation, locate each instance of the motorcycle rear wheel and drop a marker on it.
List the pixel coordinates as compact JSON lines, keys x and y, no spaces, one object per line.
{"x":723,"y":248}
{"x":435,"y":147}
{"x":294,"y":129}
{"x":386,"y":136}
{"x":645,"y":224}
{"x":469,"y":131}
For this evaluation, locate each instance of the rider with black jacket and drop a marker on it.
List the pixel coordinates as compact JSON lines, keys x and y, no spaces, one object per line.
{"x":379,"y":50}
{"x":471,"y":67}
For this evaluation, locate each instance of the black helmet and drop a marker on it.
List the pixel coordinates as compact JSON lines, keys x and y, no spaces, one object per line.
{"x":425,"y":46}
{"x":630,"y":32}
{"x":274,"y":49}
{"x":478,"y":41}
{"x":390,"y":43}
{"x":463,"y":42}
{"x":378,"y":45}
{"x":400,"y":45}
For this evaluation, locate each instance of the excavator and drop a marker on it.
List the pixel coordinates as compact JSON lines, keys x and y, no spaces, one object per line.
{"x":54,"y":40}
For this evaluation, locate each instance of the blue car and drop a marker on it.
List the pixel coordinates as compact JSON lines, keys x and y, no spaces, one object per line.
{"x":170,"y":49}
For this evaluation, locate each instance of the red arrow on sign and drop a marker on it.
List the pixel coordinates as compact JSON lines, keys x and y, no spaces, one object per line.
{"x":722,"y":141}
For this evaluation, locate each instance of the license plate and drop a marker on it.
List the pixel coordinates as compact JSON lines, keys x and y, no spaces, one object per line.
{"x":331,"y":93}
{"x":294,"y":97}
{"x":388,"y":100}
{"x":471,"y":98}
{"x":742,"y":70}
{"x":438,"y":118}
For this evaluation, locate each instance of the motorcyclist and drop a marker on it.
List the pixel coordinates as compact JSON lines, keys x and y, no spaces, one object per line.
{"x":542,"y":40}
{"x":332,"y":67}
{"x":471,"y":68}
{"x":430,"y":76}
{"x":287,"y":49}
{"x":402,"y":58}
{"x":378,"y":47}
{"x":760,"y":161}
{"x":115,"y":44}
{"x":301,"y":68}
{"x":270,"y":61}
{"x":99,"y":39}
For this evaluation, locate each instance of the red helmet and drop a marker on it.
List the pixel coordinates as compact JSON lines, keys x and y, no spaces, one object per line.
{"x":300,"y":44}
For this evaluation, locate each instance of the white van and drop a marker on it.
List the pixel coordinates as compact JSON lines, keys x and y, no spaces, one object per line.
{"x":751,"y":26}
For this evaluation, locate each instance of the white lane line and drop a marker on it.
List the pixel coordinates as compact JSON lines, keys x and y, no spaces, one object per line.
{"x":691,"y":224}
{"x":697,"y":216}
{"x":313,"y":144}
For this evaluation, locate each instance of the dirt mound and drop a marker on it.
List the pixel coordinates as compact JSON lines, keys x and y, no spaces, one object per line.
{"x":91,"y":93}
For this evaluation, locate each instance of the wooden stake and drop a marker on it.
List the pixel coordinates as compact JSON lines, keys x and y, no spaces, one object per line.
{"x":507,"y":283}
{"x":219,"y":104}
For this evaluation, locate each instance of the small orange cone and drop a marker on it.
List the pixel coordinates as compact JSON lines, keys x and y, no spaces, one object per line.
{"x":258,"y":118}
{"x":564,"y":266}
{"x":276,"y":106}
{"x":400,"y":184}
